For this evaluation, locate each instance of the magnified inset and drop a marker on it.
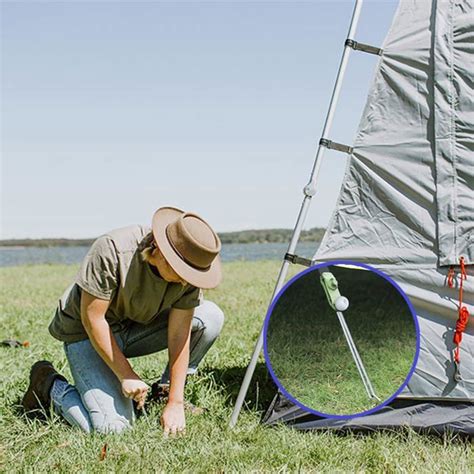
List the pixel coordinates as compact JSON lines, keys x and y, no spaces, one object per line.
{"x":341,"y":339}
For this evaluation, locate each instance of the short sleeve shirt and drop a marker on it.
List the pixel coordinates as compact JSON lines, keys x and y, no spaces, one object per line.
{"x":114,"y":270}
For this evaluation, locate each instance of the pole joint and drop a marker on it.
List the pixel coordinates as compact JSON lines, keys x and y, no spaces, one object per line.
{"x":310,"y":189}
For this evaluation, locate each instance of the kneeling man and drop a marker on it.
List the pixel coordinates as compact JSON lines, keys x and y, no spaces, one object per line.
{"x":138,"y":291}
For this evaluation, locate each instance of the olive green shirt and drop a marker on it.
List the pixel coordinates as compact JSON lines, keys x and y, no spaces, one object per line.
{"x":114,"y":270}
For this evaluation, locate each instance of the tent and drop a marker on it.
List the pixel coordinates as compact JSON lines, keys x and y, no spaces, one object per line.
{"x":406,"y":207}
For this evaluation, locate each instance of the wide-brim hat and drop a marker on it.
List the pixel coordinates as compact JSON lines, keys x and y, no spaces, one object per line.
{"x":189,"y":245}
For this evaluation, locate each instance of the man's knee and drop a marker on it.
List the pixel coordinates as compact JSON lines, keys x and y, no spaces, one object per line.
{"x":109,"y":413}
{"x":210,"y":318}
{"x":110,"y":424}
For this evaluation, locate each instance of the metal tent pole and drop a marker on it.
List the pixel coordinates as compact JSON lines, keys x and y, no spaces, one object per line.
{"x":309,"y":191}
{"x":357,"y":359}
{"x":339,"y":304}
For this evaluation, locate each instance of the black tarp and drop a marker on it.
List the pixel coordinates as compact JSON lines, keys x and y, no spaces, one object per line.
{"x":429,"y":417}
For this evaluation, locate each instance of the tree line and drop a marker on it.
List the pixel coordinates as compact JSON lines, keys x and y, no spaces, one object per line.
{"x":240,"y":237}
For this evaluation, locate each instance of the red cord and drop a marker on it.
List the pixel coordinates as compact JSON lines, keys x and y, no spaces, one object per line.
{"x":463,"y":315}
{"x":461,"y":324}
{"x":463,"y":269}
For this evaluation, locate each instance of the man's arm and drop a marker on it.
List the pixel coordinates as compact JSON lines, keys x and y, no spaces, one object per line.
{"x":179,"y":331}
{"x":93,"y":312}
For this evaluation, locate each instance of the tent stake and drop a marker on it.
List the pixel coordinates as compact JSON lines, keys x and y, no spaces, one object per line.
{"x":309,"y":191}
{"x":358,"y":361}
{"x":339,"y":304}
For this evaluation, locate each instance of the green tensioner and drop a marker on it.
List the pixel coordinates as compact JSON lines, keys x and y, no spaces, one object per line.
{"x":331,"y":288}
{"x":339,"y":304}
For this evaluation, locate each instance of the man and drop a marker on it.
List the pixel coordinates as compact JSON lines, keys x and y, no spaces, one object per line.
{"x":136,"y":293}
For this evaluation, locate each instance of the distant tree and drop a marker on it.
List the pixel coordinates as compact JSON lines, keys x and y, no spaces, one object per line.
{"x":240,"y":237}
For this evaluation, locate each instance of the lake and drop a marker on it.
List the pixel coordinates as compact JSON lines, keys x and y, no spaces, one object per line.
{"x":12,"y":256}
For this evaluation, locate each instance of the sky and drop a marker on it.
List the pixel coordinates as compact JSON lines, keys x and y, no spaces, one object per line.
{"x":112,"y":109}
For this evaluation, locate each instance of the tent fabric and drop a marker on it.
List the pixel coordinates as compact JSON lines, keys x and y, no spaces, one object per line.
{"x":406,"y":204}
{"x":426,"y":417}
{"x":453,"y":130}
{"x":411,"y":174}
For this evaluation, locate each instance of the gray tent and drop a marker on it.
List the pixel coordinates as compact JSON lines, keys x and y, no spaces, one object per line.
{"x":406,"y":206}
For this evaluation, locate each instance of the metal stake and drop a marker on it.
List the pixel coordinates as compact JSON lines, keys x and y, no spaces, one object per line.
{"x":339,"y":304}
{"x":355,"y":355}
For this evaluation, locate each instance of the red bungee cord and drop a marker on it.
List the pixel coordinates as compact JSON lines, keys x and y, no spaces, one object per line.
{"x":463,"y":316}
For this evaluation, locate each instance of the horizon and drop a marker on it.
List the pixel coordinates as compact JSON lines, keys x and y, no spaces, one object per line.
{"x":226,"y":232}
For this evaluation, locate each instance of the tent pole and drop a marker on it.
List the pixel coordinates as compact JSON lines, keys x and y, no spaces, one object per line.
{"x":309,"y":191}
{"x":340,"y":303}
{"x":356,"y":357}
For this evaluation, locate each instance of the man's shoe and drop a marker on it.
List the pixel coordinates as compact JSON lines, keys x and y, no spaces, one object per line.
{"x":37,"y":396}
{"x":160,"y":393}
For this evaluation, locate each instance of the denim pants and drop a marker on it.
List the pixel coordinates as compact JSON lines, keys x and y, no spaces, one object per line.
{"x":95,"y":402}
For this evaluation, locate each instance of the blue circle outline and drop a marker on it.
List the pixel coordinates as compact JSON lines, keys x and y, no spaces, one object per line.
{"x":267,"y":358}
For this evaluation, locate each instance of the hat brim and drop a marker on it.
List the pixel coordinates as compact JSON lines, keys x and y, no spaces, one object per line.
{"x":205,"y":279}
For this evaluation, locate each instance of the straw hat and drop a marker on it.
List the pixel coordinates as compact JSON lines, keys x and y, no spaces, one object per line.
{"x":189,"y":245}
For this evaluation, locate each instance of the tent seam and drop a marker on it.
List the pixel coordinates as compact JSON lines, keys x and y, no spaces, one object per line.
{"x":452,"y":134}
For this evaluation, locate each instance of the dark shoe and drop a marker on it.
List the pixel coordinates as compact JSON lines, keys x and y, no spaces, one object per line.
{"x":37,"y":396}
{"x":160,"y":393}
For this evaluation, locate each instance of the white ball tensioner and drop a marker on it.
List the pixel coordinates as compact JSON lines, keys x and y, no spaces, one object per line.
{"x":341,"y":303}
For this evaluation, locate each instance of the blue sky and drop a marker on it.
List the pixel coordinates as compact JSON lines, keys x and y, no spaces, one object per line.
{"x":112,"y":109}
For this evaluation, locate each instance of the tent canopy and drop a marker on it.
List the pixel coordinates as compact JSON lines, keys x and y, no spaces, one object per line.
{"x":407,"y":201}
{"x":406,"y":206}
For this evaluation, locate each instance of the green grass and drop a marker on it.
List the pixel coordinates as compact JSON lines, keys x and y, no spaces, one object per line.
{"x":309,"y":353}
{"x":27,"y":298}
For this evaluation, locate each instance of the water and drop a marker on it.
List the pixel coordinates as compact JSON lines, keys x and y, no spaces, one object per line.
{"x":12,"y":256}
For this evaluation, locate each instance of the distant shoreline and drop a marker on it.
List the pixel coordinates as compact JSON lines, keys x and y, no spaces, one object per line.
{"x":260,"y":236}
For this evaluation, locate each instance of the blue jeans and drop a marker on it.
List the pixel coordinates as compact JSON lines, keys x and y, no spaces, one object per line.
{"x":96,"y":402}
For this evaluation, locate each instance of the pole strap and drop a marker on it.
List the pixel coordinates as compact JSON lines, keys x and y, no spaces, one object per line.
{"x":289,"y":257}
{"x":336,"y":146}
{"x":366,"y":48}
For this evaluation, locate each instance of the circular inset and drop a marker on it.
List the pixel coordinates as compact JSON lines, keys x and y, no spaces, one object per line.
{"x":341,"y":339}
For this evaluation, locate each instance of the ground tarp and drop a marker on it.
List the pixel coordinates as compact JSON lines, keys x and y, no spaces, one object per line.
{"x":424,"y":417}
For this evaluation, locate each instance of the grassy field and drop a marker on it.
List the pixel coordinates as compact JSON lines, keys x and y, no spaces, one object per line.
{"x":27,"y":298}
{"x":310,"y":356}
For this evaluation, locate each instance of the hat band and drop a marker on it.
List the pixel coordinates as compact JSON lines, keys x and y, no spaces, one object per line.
{"x":180,"y":255}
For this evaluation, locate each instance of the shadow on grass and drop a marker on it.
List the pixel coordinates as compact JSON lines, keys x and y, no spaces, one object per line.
{"x":229,"y":379}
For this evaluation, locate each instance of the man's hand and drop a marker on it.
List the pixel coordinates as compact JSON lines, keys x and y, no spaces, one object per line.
{"x":136,"y":389}
{"x":93,"y":312}
{"x":173,"y":420}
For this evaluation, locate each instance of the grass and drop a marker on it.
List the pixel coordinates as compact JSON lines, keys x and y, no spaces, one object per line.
{"x":27,"y":298}
{"x":310,"y":356}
